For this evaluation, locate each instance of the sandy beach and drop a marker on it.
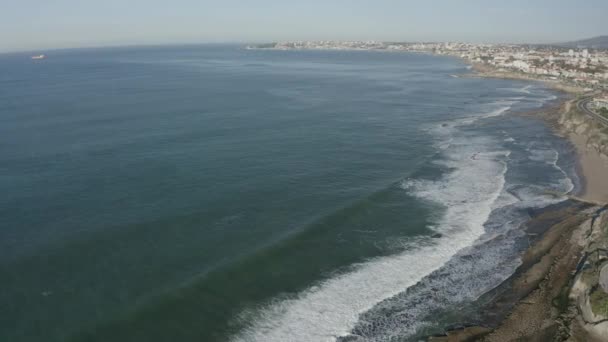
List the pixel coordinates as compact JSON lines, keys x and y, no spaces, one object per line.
{"x":594,"y":170}
{"x":593,"y":165}
{"x":588,"y":138}
{"x":553,"y":294}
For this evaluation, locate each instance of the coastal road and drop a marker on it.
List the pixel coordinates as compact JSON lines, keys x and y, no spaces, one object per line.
{"x":583,"y":106}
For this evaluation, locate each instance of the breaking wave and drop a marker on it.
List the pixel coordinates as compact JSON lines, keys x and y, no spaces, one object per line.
{"x":476,"y":234}
{"x":468,"y":194}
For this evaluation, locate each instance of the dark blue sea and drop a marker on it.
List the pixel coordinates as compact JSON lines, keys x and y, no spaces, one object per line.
{"x":215,"y":193}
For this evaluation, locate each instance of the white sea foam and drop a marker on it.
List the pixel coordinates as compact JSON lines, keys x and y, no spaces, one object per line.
{"x":551,"y":157}
{"x":546,"y":156}
{"x":539,"y":95}
{"x":525,"y":90}
{"x":496,"y":112}
{"x":505,"y":199}
{"x":542,"y":195}
{"x":498,"y":108}
{"x":470,"y":192}
{"x":490,"y":259}
{"x":551,"y":98}
{"x":332,"y":308}
{"x":445,"y":130}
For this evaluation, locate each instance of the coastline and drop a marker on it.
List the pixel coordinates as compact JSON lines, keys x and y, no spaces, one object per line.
{"x":549,"y":296}
{"x":486,"y":71}
{"x":534,"y":303}
{"x":592,"y":166}
{"x":545,"y":299}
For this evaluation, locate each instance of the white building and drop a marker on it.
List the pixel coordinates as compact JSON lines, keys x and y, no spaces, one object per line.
{"x":601,"y":102}
{"x":521,"y":65}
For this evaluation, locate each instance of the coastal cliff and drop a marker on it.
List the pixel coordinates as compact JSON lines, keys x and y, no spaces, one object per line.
{"x":587,"y":317}
{"x":590,"y":138}
{"x":570,"y":303}
{"x":595,"y":133}
{"x":560,"y":291}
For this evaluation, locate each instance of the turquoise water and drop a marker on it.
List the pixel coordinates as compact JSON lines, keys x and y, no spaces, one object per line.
{"x":213,"y":193}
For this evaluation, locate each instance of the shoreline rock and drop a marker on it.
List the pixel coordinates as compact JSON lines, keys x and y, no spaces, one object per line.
{"x":536,"y":304}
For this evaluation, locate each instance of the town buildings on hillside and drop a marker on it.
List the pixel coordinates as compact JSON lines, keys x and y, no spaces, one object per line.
{"x":581,"y":67}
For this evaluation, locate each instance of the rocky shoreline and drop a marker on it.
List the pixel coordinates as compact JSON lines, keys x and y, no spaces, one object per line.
{"x":560,"y":292}
{"x":543,"y":300}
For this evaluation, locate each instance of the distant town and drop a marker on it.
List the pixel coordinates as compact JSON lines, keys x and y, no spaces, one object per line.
{"x":581,"y":67}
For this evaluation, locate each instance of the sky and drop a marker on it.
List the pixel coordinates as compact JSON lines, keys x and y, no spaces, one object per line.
{"x":35,"y":25}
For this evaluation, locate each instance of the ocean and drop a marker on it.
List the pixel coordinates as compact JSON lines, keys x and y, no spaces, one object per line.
{"x":215,"y":193}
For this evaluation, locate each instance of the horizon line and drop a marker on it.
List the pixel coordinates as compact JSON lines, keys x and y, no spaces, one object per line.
{"x":143,"y":45}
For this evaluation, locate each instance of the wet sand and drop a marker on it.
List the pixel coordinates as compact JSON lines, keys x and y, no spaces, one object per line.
{"x":593,"y":168}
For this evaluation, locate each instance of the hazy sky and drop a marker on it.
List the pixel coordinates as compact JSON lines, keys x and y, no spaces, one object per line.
{"x":45,"y":24}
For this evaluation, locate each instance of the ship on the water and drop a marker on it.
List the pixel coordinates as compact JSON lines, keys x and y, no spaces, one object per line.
{"x":39,"y":57}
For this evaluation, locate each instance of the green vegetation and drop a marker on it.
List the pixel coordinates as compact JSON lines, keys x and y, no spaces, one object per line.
{"x":604,"y":112}
{"x":599,"y":302}
{"x":593,"y":69}
{"x":562,"y":300}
